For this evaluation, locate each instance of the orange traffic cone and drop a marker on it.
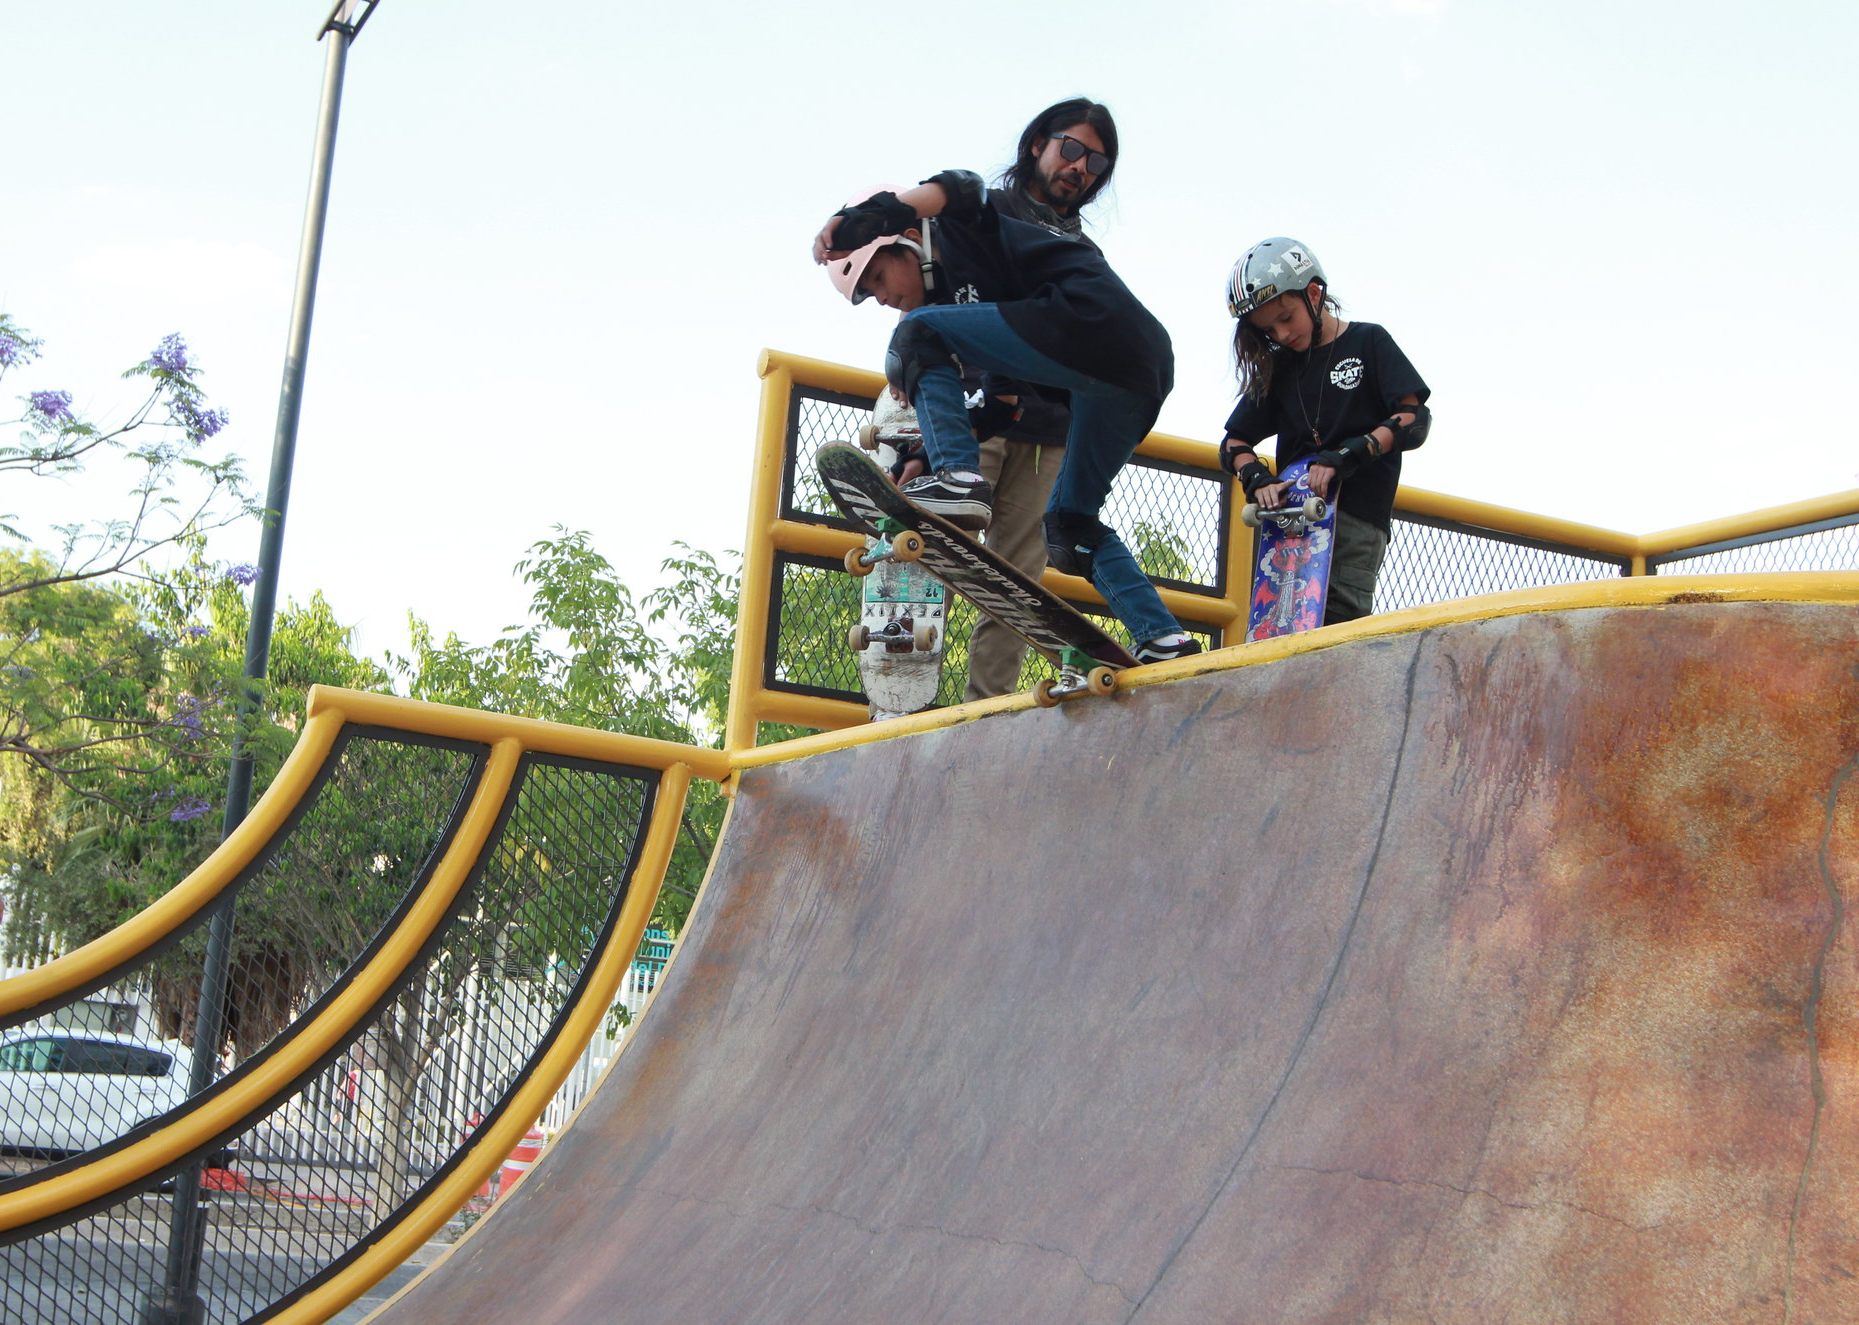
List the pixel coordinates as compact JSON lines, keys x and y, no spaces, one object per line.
{"x":522,"y":1157}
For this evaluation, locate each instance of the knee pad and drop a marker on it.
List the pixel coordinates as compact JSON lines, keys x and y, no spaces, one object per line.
{"x":1071,"y":542}
{"x":913,"y":348}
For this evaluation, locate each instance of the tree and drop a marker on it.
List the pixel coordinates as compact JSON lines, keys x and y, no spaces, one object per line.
{"x":84,"y":847}
{"x":595,"y":656}
{"x":79,"y":714}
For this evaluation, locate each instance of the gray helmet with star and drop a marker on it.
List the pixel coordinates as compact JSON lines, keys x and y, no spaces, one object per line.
{"x":1270,"y":268}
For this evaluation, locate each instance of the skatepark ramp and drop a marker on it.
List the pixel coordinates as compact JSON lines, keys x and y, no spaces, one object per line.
{"x":1499,"y":970}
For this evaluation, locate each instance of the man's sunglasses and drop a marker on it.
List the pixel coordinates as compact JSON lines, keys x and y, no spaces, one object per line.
{"x":1073,"y":150}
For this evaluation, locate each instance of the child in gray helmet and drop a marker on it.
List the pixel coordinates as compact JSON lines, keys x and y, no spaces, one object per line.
{"x":1338,"y":392}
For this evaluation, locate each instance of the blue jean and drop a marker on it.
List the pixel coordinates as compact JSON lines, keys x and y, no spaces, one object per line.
{"x":1107,"y":424}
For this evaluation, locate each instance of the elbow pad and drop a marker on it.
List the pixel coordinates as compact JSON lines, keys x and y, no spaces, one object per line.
{"x":1408,"y":436}
{"x":966,"y":191}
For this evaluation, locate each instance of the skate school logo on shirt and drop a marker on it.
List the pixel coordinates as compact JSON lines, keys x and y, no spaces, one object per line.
{"x":967,"y":294}
{"x":1347,"y":374}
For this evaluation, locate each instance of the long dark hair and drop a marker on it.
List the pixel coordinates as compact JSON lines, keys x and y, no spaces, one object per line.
{"x":1256,"y":352}
{"x":1057,"y":119}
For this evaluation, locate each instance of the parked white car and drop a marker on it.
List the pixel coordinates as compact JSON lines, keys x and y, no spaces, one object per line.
{"x":73,"y":1090}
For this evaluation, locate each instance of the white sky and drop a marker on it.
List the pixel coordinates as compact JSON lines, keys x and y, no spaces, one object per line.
{"x":1616,"y":238}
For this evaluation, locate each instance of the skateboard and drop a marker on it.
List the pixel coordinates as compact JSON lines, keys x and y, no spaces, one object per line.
{"x":1088,"y":660}
{"x":1295,"y":543}
{"x":903,"y":611}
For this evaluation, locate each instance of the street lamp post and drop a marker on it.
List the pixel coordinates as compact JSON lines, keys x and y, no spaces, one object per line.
{"x":178,"y":1300}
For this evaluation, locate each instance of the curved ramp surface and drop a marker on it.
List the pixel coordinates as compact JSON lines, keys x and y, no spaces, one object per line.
{"x":1495,"y":973}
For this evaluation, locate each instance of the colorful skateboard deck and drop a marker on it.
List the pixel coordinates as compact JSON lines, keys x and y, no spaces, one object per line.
{"x":1088,"y":658}
{"x":903,"y":610}
{"x":1295,"y":543}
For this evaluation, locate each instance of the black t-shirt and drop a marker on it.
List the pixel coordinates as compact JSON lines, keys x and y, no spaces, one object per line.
{"x":1057,"y":294}
{"x":1342,"y":390}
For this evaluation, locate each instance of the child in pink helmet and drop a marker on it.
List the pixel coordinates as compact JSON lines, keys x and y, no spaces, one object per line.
{"x":1031,"y":305}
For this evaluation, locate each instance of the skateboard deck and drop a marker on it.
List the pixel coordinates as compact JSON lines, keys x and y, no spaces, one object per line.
{"x":903,"y":608}
{"x":1295,"y":543}
{"x":1088,"y":659}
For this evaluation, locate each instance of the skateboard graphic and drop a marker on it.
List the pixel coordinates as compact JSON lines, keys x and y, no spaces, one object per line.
{"x":1088,"y":660}
{"x":903,"y":609}
{"x":1295,"y":543}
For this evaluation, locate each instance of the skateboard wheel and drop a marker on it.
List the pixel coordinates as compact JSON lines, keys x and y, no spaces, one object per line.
{"x":1314,"y":509}
{"x":907,"y":546}
{"x":1249,"y":515}
{"x":856,"y":563}
{"x":1102,"y":680}
{"x":858,"y":637}
{"x":1043,"y":696}
{"x":923,"y":635}
{"x":868,"y":436}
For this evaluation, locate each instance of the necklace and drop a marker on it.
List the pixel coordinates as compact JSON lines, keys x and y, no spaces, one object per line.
{"x":1314,"y":418}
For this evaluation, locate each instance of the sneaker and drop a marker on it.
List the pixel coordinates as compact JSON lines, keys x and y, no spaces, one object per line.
{"x":960,"y":496}
{"x":1175,"y":644}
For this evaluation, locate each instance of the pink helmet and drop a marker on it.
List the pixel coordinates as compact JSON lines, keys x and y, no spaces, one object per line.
{"x":846,"y":272}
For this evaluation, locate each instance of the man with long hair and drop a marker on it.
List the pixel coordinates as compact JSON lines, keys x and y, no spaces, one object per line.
{"x":1065,"y":156}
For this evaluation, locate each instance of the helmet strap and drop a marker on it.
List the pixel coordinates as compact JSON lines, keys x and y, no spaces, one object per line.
{"x":924,"y":260}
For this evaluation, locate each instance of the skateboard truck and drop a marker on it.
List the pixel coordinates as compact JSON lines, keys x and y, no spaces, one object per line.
{"x":896,"y":542}
{"x":1292,"y":519}
{"x":1079,"y":674}
{"x":898,"y":636}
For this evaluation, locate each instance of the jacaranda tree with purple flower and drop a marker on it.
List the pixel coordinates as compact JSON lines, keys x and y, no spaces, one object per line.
{"x":173,"y":491}
{"x":91,"y":714}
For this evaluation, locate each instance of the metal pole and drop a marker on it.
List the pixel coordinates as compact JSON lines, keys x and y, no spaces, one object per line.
{"x":178,"y":1302}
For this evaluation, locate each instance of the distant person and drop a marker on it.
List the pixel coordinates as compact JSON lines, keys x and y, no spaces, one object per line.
{"x":1026,"y":306}
{"x":1340,"y":393}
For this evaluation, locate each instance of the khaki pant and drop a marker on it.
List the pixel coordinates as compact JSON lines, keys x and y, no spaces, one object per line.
{"x":1354,"y":566}
{"x":1022,"y":475}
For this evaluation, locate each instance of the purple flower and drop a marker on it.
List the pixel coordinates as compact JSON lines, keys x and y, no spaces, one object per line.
{"x":170,"y":355}
{"x":52,"y":406}
{"x":200,"y":423}
{"x":243,"y":574}
{"x":13,"y":350}
{"x":196,"y":632}
{"x":190,"y":808}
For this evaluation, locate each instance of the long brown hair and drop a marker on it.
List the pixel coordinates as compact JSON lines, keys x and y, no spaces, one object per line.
{"x":1254,"y":352}
{"x":1057,"y":119}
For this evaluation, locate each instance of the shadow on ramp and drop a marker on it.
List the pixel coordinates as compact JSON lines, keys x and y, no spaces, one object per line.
{"x":1493,"y":973}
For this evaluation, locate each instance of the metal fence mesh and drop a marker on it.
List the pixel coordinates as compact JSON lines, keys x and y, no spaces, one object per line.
{"x":305,"y":1187}
{"x":1173,"y":519}
{"x":1429,"y":562}
{"x":1171,"y":516}
{"x":1833,"y":548}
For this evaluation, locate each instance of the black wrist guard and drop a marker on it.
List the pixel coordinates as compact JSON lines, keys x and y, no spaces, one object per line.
{"x":1252,"y":476}
{"x":1346,"y":457}
{"x":905,"y":454}
{"x":879,"y":215}
{"x":1232,"y":457}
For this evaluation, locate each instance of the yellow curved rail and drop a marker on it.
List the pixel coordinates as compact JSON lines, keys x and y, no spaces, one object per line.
{"x":489,"y":1147}
{"x":184,"y":902}
{"x":509,"y":738}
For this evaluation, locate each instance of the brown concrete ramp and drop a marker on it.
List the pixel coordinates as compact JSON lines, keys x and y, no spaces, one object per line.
{"x":1496,"y":973}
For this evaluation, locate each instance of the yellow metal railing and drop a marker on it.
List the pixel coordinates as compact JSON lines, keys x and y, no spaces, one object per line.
{"x":1498,"y":534}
